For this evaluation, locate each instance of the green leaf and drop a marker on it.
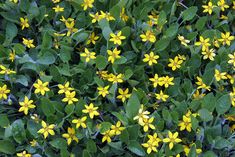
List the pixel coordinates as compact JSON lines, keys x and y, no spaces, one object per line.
{"x":33,"y":128}
{"x":192,"y":152}
{"x":201,"y":23}
{"x":132,"y":106}
{"x":205,"y":115}
{"x":46,"y":40}
{"x":22,"y":80}
{"x":19,"y":48}
{"x":80,"y":36}
{"x":47,"y":58}
{"x":162,"y":44}
{"x":18,"y":131}
{"x":101,"y":62}
{"x":223,"y":104}
{"x":162,"y":18}
{"x":47,"y":107}
{"x":104,"y":126}
{"x":172,"y":30}
{"x":91,"y":146}
{"x":59,"y":143}
{"x":11,"y":33}
{"x":209,"y":102}
{"x":136,"y":148}
{"x":4,"y":121}
{"x":189,"y":13}
{"x":7,"y":147}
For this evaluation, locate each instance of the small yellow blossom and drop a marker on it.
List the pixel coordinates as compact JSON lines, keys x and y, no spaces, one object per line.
{"x":116,"y":78}
{"x":6,"y":71}
{"x":142,"y":114}
{"x":113,"y":55}
{"x":156,"y":80}
{"x":95,"y":17}
{"x":201,"y":84}
{"x":147,"y":123}
{"x":70,"y":26}
{"x":26,"y":105}
{"x":92,"y":38}
{"x":107,"y":136}
{"x":198,"y":95}
{"x":28,"y":43}
{"x":70,"y":136}
{"x":186,"y":124}
{"x":123,"y":94}
{"x":187,"y":150}
{"x":175,"y":63}
{"x":232,"y":59}
{"x":222,"y":4}
{"x":162,"y":96}
{"x":24,"y":23}
{"x":41,"y":87}
{"x":91,"y":110}
{"x":70,"y":97}
{"x":123,"y":15}
{"x":3,"y":92}
{"x":87,"y":4}
{"x":88,"y":55}
{"x":47,"y":129}
{"x":151,"y":58}
{"x":117,"y":129}
{"x":107,"y":16}
{"x":152,"y":143}
{"x":183,"y":40}
{"x":219,"y":76}
{"x":172,"y":139}
{"x":166,"y":81}
{"x":117,"y":39}
{"x":209,"y":54}
{"x":226,"y":38}
{"x":64,"y":88}
{"x":33,"y":143}
{"x":80,"y":122}
{"x":55,"y":1}
{"x":58,"y":9}
{"x":208,"y":8}
{"x":14,"y":1}
{"x":12,"y":55}
{"x":148,"y":36}
{"x":24,"y":154}
{"x":103,"y":91}
{"x":204,"y":43}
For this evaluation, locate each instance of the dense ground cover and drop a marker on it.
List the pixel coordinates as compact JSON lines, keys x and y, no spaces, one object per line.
{"x":117,"y":78}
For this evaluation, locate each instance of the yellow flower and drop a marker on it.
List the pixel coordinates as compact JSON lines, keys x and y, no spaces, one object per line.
{"x":23,"y":154}
{"x":95,"y":17}
{"x":183,"y":40}
{"x":148,"y":36}
{"x":166,"y":81}
{"x":87,"y":4}
{"x":172,"y":139}
{"x":58,"y":9}
{"x":201,"y":84}
{"x":150,"y":58}
{"x":55,"y":1}
{"x":70,"y":97}
{"x":154,"y":138}
{"x":92,"y":38}
{"x":6,"y":71}
{"x":14,"y":1}
{"x":123,"y":16}
{"x":35,"y":117}
{"x":150,"y":146}
{"x":175,"y":63}
{"x":234,"y":5}
{"x":204,"y":43}
{"x":70,"y":136}
{"x":117,"y":39}
{"x":107,"y":16}
{"x":187,"y":150}
{"x":117,"y":129}
{"x":26,"y":105}
{"x":33,"y":143}
{"x":64,"y":88}
{"x":232,"y":59}
{"x":226,"y":38}
{"x":80,"y":122}
{"x":28,"y":43}
{"x":231,"y":78}
{"x":208,"y":8}
{"x":103,"y":90}
{"x":41,"y":87}
{"x":91,"y":110}
{"x":162,"y":96}
{"x":218,"y":75}
{"x":113,"y":55}
{"x":123,"y":94}
{"x":70,"y":26}
{"x":116,"y":78}
{"x":222,"y":5}
{"x":47,"y":129}
{"x":3,"y":92}
{"x":186,"y":124}
{"x":89,"y":55}
{"x":156,"y":80}
{"x":147,"y":123}
{"x":12,"y":55}
{"x":142,"y":114}
{"x":197,"y":95}
{"x":107,"y":136}
{"x":24,"y":23}
{"x":208,"y":54}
